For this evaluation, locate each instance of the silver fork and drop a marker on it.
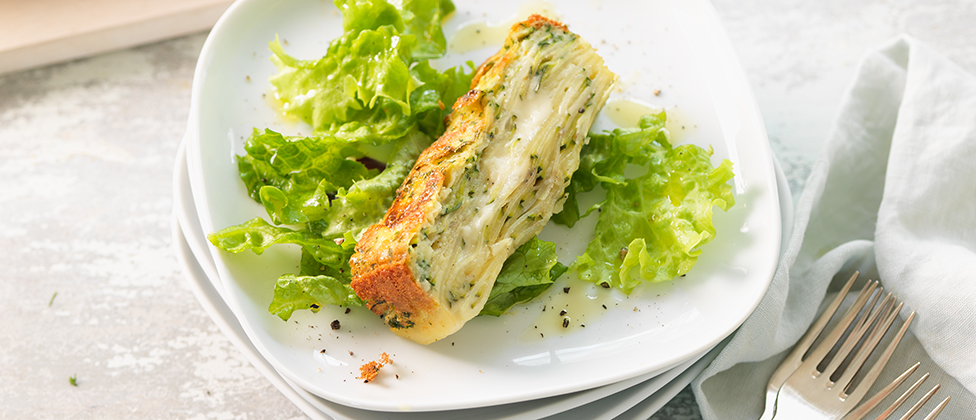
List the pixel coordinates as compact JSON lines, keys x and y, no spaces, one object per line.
{"x":810,"y":392}
{"x":873,"y":402}
{"x":795,"y":358}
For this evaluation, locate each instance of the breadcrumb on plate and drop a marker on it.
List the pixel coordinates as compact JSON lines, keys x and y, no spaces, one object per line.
{"x":370,"y":370}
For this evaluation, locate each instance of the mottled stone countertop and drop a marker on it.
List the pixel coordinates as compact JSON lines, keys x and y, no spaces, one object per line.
{"x":91,"y":288}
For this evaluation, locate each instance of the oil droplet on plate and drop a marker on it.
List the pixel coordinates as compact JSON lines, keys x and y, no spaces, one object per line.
{"x":570,"y":306}
{"x":626,"y":112}
{"x":474,"y":35}
{"x":274,"y":101}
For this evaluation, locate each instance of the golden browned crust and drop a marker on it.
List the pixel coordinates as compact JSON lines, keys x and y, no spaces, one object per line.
{"x":380,"y":270}
{"x":501,"y":58}
{"x":393,"y":286}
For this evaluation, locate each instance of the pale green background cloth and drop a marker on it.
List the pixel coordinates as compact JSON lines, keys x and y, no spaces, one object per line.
{"x":894,"y":196}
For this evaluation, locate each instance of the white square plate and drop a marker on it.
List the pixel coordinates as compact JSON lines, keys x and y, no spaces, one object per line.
{"x":675,"y":46}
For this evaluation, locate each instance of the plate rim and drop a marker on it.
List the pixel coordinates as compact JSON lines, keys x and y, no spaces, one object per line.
{"x":198,"y":189}
{"x":189,"y":255}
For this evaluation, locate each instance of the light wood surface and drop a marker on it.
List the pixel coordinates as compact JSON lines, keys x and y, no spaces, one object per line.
{"x":39,"y":32}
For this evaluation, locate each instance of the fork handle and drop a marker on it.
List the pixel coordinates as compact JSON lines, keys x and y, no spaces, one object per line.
{"x":770,"y":409}
{"x":790,"y":405}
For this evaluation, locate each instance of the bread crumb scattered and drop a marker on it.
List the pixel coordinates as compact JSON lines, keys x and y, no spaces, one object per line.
{"x":370,"y":370}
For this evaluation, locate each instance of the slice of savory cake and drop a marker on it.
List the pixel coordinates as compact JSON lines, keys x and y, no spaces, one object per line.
{"x":487,"y":186}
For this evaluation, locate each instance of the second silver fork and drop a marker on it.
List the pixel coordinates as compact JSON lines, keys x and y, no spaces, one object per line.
{"x":830,"y":392}
{"x":796,"y":356}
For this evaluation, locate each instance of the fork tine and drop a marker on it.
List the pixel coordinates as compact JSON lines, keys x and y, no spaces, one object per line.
{"x":938,"y":409}
{"x":872,"y":304}
{"x":918,"y":405}
{"x":809,"y":391}
{"x":818,"y":353}
{"x":879,"y":365}
{"x":904,"y":397}
{"x":873,"y":402}
{"x":806,"y":341}
{"x":864,"y":325}
{"x":866,"y":350}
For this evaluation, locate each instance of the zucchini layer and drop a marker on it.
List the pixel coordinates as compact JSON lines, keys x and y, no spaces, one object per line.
{"x":487,"y":186}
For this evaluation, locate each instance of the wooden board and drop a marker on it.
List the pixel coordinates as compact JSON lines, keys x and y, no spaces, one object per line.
{"x":38,"y":32}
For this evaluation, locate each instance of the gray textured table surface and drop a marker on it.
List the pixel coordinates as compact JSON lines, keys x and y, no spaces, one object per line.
{"x":91,"y":288}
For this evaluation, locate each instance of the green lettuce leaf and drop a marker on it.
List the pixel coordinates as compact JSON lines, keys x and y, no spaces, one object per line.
{"x":333,"y":218}
{"x":310,"y":266}
{"x":372,"y":87}
{"x":284,"y":172}
{"x":258,"y":235}
{"x":420,"y":19}
{"x":605,"y":158}
{"x":430,"y":102}
{"x":325,"y":274}
{"x":524,"y":276}
{"x":374,"y":84}
{"x":353,"y":209}
{"x":654,"y":224}
{"x":433,"y":99}
{"x":359,"y":70}
{"x":294,"y":293}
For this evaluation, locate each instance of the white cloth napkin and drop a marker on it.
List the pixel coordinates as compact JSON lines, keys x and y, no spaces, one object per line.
{"x":894,"y":196}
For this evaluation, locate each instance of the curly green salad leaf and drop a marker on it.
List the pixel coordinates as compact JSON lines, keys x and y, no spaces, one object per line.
{"x":373,"y":87}
{"x":332,"y":208}
{"x":284,"y":172}
{"x":419,"y":19}
{"x":652,"y":225}
{"x":293,"y":293}
{"x":374,"y":84}
{"x":526,"y":274}
{"x":328,"y":237}
{"x":353,"y":209}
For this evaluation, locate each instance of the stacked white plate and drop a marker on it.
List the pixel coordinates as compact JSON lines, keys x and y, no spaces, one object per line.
{"x":625,"y":363}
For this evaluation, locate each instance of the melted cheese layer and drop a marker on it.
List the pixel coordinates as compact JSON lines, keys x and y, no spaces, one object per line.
{"x":540,"y":107}
{"x":487,"y":186}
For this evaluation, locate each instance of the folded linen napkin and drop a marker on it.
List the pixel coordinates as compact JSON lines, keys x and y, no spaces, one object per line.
{"x":894,"y":196}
